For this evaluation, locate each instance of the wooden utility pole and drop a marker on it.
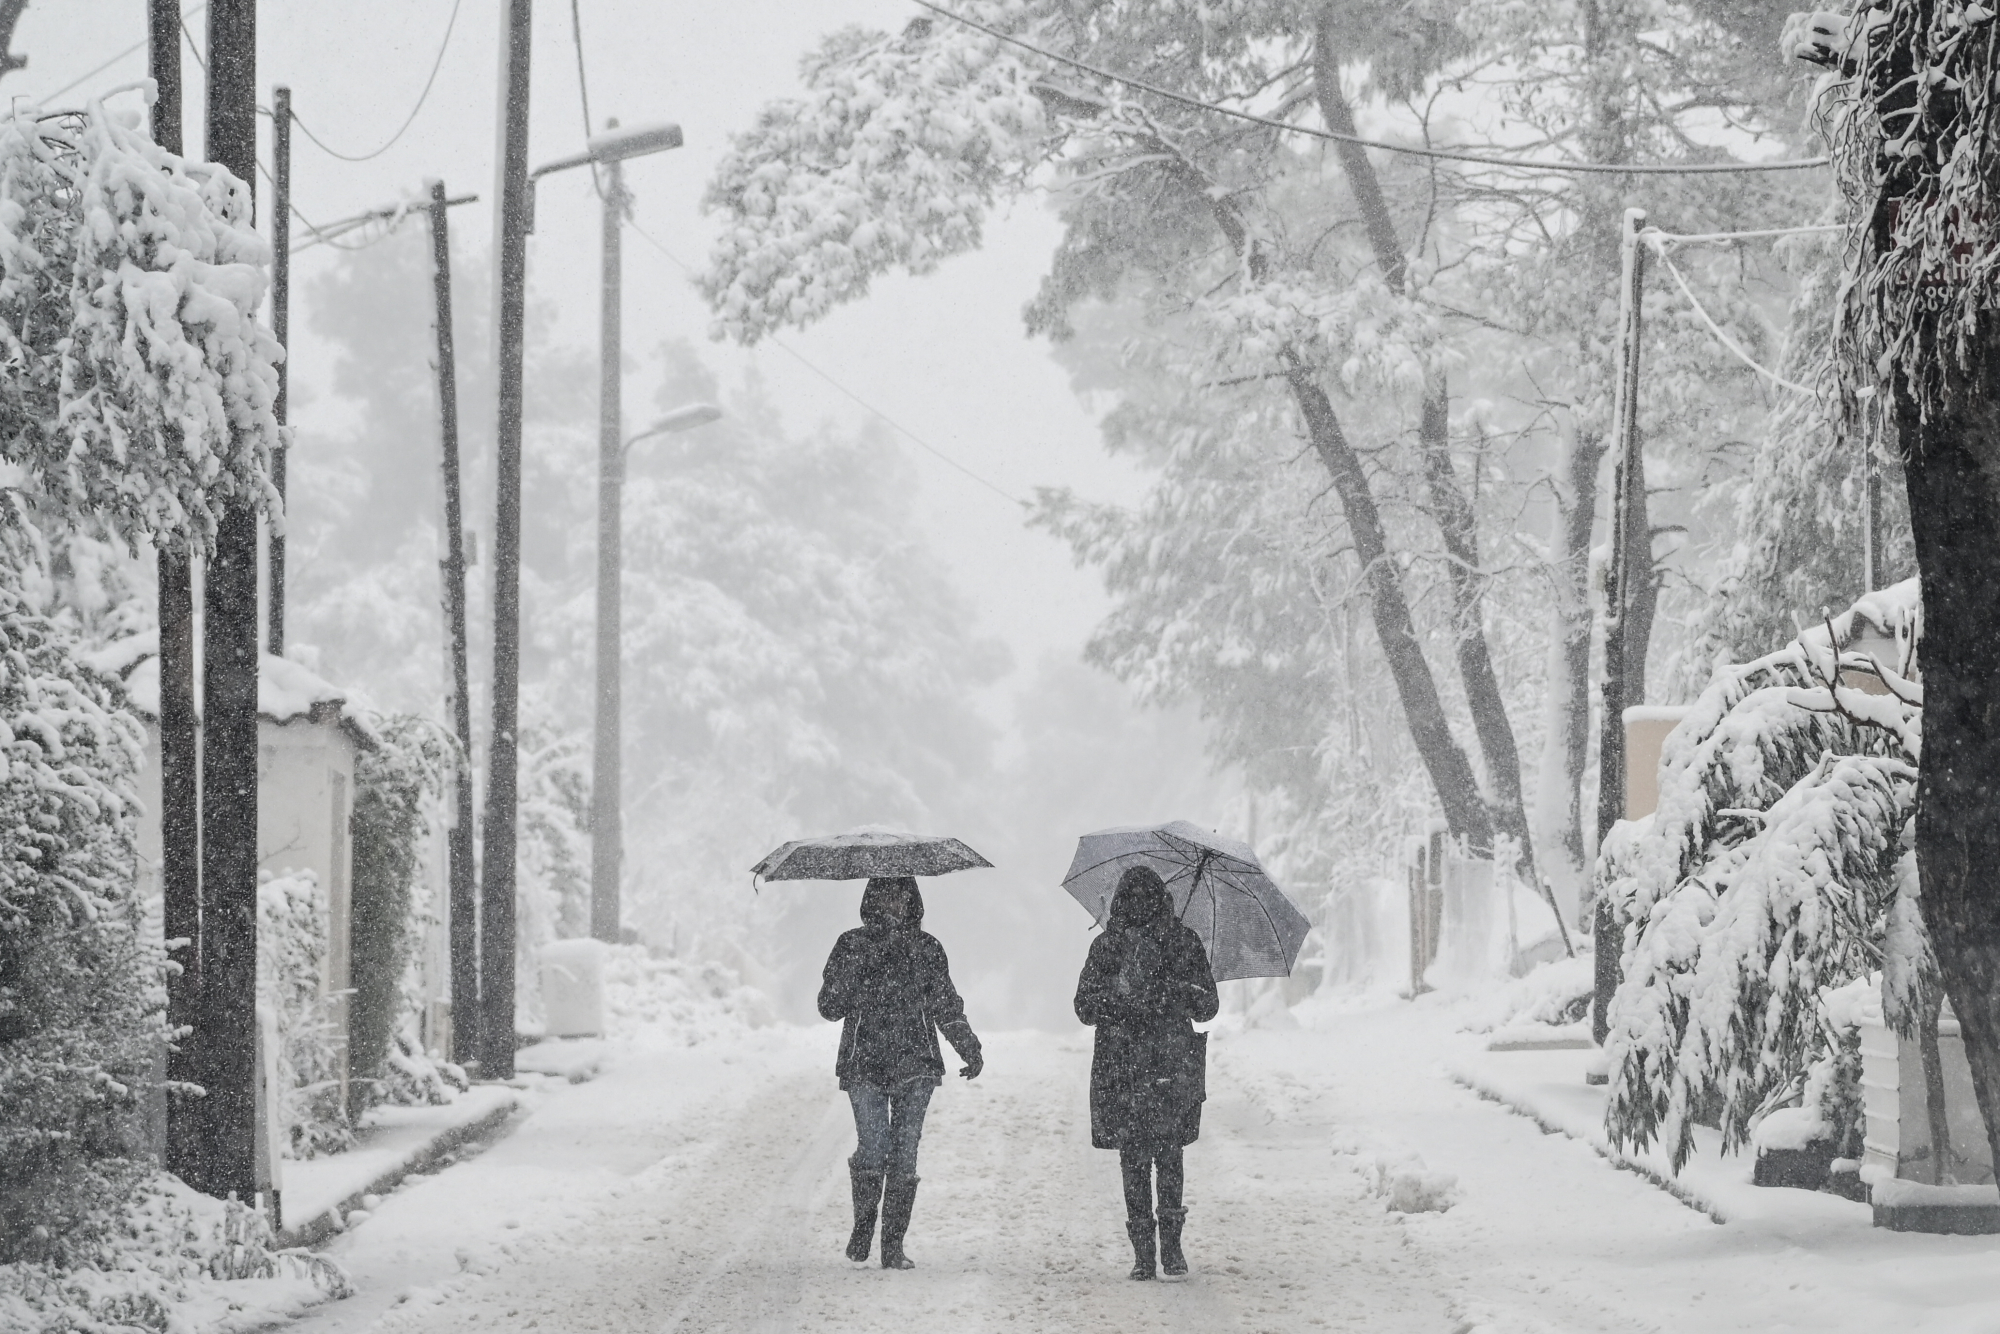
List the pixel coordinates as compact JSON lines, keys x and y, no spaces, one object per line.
{"x":180,"y":732}
{"x":465,"y":1004}
{"x":226,"y":1036}
{"x":281,"y":328}
{"x":1626,"y":618}
{"x":496,"y":924}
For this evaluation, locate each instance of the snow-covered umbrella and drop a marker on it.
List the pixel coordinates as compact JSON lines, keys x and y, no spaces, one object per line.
{"x":869,"y":851}
{"x":1246,"y":923}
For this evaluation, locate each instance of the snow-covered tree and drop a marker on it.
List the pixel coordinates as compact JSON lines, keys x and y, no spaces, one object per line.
{"x":1909,"y":107}
{"x":138,"y":384}
{"x":1342,"y":320}
{"x":81,"y":992}
{"x":1777,"y":865}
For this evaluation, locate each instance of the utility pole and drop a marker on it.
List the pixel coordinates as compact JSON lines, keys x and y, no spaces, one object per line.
{"x":180,"y":734}
{"x":464,"y":889}
{"x":607,"y":779}
{"x":226,"y":1039}
{"x":1624,"y":632}
{"x":496,"y":926}
{"x":281,"y":328}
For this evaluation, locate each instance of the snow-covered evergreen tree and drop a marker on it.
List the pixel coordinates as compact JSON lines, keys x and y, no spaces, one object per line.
{"x":82,"y":998}
{"x":1776,"y":866}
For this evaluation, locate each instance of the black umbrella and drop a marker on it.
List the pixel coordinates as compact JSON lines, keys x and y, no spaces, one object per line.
{"x":1246,"y":923}
{"x":862,"y":854}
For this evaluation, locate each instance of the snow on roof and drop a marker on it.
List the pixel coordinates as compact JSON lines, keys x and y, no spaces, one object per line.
{"x":286,"y":691}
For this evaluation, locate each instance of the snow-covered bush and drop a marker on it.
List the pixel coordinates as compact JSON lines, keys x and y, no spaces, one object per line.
{"x":164,"y":1263}
{"x":136,"y":385}
{"x":1776,"y":865}
{"x":1558,"y":992}
{"x":553,"y":892}
{"x":292,"y":936}
{"x":397,"y":785}
{"x":677,"y":1001}
{"x":82,"y":995}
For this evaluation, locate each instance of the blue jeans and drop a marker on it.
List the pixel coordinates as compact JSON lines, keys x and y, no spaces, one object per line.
{"x":888,"y":1122}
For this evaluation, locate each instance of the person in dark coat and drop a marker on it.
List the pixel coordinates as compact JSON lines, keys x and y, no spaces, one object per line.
{"x":889,"y":984}
{"x":1146,"y":978}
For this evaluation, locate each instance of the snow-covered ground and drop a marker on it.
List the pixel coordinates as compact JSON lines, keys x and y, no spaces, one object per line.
{"x":703,"y":1188}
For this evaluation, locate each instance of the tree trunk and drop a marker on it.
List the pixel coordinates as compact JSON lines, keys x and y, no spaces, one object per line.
{"x":1450,"y":508}
{"x":1465,"y":810}
{"x":1559,"y":802}
{"x":1952,"y":476}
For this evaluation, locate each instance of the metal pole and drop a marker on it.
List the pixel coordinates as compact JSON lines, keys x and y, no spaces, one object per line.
{"x":281,"y":329}
{"x":1628,"y":528}
{"x":227,"y":1036}
{"x":464,"y":889}
{"x":1871,"y":534}
{"x":496,"y":927}
{"x":606,"y":818}
{"x":180,"y":736}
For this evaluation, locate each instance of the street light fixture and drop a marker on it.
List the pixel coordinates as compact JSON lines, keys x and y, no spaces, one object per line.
{"x":607,"y":820}
{"x":610,"y":150}
{"x":517,"y":211}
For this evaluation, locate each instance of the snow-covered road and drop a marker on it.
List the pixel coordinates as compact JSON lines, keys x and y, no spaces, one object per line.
{"x":702,"y":1190}
{"x":737,"y":1220}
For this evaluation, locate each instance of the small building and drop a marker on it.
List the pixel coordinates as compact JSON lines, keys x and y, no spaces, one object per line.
{"x":307,"y":743}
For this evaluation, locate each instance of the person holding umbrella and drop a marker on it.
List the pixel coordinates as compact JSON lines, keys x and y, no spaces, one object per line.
{"x":889,"y":984}
{"x":1147,"y":976}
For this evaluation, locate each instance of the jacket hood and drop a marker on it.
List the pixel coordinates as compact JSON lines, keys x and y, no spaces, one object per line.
{"x":1142,"y":900}
{"x":885,"y":895}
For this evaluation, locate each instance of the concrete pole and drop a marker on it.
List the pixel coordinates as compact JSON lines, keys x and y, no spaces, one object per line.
{"x":607,"y":781}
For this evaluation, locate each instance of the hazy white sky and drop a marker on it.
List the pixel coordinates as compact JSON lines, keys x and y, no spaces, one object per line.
{"x":944,"y":355}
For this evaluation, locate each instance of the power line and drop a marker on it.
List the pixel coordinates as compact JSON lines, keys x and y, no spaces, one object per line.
{"x":436,"y":64}
{"x":1701,"y":312}
{"x":799,"y":357}
{"x":583,"y":86}
{"x":1448,"y":154}
{"x":136,"y":46}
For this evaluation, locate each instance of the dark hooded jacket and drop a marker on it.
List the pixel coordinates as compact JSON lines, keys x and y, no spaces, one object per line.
{"x":1146,"y":978}
{"x":889,"y":984}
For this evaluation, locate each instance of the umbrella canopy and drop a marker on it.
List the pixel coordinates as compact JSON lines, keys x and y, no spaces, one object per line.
{"x":1246,"y":923}
{"x":861,"y":854}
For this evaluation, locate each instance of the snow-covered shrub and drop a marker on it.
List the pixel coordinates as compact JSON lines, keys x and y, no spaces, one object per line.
{"x":164,"y":1264}
{"x":82,"y":995}
{"x":1776,"y":865}
{"x":397,"y":785}
{"x":677,"y":1001}
{"x":136,"y":384}
{"x":1558,"y":992}
{"x":292,"y":935}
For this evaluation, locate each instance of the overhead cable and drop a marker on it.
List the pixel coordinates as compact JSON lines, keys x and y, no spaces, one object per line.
{"x":408,"y":120}
{"x":1716,"y":329}
{"x":1448,"y":154}
{"x":92,"y":73}
{"x":799,"y":357}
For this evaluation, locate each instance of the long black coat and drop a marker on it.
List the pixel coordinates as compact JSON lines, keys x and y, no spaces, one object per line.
{"x":1141,"y":987}
{"x":891,"y":988}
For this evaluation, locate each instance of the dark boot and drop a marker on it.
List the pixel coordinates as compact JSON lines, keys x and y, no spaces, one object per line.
{"x":899,"y":1196}
{"x":1171,"y":1260}
{"x":1144,"y":1253}
{"x":867,"y":1200}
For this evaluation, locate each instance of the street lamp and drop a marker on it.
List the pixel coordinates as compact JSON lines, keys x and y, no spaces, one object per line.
{"x":609,"y":150}
{"x":517,"y":205}
{"x":607,"y":821}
